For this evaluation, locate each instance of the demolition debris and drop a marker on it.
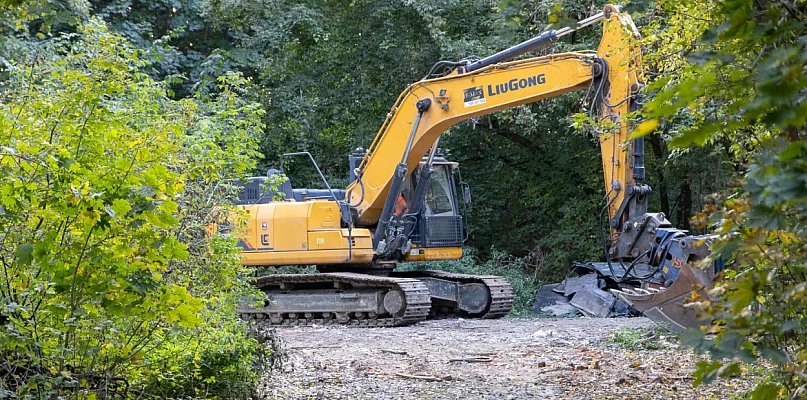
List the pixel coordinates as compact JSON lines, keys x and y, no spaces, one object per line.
{"x":587,"y":292}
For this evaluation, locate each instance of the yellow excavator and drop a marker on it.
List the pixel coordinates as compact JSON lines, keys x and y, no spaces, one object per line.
{"x":402,"y":204}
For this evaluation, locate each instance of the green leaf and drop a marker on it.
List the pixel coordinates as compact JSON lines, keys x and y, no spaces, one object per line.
{"x":729,"y":370}
{"x":24,"y":254}
{"x":793,"y":150}
{"x":744,"y":293}
{"x":694,"y":339}
{"x":775,"y":355}
{"x":120,"y":207}
{"x":709,"y":36}
{"x":706,"y":372}
{"x":766,"y":391}
{"x":697,"y":136}
{"x":701,"y":58}
{"x":789,"y":325}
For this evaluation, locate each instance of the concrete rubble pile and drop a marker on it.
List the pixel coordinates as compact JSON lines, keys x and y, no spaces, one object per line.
{"x":586,"y":292}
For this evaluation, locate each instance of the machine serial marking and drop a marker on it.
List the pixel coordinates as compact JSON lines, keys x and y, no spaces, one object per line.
{"x":474,"y":96}
{"x":515,"y":84}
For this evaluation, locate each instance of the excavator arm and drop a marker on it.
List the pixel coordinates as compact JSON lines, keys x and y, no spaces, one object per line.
{"x":428,"y":108}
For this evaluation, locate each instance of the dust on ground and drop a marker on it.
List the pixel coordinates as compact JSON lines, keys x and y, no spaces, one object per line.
{"x":515,"y":358}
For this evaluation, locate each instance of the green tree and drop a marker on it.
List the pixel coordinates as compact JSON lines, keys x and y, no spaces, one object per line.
{"x":110,"y":281}
{"x":733,"y":75}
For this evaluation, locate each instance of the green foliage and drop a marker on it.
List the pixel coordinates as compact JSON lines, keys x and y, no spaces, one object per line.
{"x":734,"y":77}
{"x":635,"y":339}
{"x":109,"y":279}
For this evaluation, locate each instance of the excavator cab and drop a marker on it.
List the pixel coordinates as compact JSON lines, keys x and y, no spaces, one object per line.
{"x":436,"y":229}
{"x":440,"y":230}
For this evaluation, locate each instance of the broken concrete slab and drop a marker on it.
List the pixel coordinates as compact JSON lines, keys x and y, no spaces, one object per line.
{"x":547,"y":296}
{"x":615,"y":271}
{"x":593,"y":301}
{"x":560,"y":287}
{"x":573,"y":285}
{"x":561,"y":310}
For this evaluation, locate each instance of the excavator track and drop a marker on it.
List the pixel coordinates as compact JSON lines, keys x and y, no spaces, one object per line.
{"x":351,"y":298}
{"x":500,"y":299}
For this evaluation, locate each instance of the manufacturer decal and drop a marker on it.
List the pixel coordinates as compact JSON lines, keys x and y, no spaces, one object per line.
{"x":515,"y":84}
{"x":474,"y":96}
{"x":264,"y":226}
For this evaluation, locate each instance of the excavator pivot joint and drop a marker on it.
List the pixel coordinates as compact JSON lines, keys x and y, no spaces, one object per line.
{"x":423,"y":105}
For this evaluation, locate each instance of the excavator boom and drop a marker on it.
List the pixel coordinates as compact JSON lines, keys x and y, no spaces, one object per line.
{"x":487,"y":86}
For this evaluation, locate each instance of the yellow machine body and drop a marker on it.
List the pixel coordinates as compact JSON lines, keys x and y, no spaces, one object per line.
{"x":308,"y":232}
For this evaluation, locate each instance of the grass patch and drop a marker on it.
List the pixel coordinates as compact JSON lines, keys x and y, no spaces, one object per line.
{"x":284,"y":269}
{"x":654,"y":338}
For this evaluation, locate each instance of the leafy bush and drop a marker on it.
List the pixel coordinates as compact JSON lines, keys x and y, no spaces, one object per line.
{"x":109,"y":281}
{"x":740,"y":83}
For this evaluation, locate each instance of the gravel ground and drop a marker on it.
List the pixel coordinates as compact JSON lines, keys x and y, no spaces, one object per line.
{"x":521,"y":359}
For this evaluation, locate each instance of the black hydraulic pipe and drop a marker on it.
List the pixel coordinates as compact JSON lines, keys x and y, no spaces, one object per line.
{"x":543,"y":40}
{"x":389,"y":204}
{"x":419,"y":198}
{"x":638,"y":143}
{"x":398,"y":178}
{"x":638,"y":160}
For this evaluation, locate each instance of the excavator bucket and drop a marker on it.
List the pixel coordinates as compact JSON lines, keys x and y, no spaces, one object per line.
{"x":669,"y":306}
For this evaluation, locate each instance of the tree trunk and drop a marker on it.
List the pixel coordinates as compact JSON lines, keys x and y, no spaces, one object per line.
{"x":658,"y":151}
{"x":685,"y":206}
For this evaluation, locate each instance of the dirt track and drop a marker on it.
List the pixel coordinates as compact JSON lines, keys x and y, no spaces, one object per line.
{"x":528,"y":359}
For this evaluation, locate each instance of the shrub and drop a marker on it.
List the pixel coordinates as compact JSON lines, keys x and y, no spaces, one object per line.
{"x":109,"y":282}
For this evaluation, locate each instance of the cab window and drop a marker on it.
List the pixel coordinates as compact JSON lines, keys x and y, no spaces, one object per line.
{"x":438,"y":194}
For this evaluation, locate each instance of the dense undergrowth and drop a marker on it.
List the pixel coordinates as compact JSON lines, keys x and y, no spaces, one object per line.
{"x":111,"y":285}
